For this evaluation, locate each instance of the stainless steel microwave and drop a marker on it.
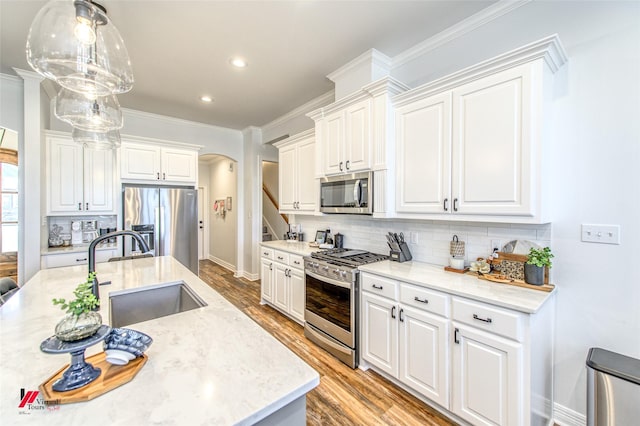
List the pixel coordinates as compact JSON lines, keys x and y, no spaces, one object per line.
{"x":350,"y":193}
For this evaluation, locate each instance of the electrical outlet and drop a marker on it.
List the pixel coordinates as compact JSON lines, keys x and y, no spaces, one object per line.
{"x":414,"y":237}
{"x":604,"y":234}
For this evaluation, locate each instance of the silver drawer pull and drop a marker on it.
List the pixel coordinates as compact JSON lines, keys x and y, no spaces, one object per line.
{"x":266,"y":253}
{"x":417,"y":299}
{"x":476,"y":317}
{"x":376,"y":287}
{"x":280,"y":258}
{"x":81,"y":260}
{"x":296,"y":262}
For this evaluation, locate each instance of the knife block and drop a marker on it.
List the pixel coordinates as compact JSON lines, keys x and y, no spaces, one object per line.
{"x":401,"y":256}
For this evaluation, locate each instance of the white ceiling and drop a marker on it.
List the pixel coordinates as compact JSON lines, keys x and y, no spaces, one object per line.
{"x":180,"y":49}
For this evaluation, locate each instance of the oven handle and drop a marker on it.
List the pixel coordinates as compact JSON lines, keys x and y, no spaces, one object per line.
{"x":328,"y":280}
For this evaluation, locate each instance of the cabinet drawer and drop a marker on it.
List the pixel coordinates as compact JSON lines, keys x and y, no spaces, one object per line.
{"x":71,"y":259}
{"x":281,"y":256}
{"x":295,"y":261}
{"x":424,"y":299}
{"x":266,"y":253}
{"x":490,"y":318}
{"x":379,"y":285}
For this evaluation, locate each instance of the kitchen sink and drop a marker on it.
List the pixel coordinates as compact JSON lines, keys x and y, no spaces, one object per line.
{"x":155,"y":301}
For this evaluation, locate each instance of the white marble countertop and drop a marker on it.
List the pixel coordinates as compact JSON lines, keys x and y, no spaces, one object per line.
{"x":295,"y":247}
{"x":211,"y":365}
{"x":435,"y":277}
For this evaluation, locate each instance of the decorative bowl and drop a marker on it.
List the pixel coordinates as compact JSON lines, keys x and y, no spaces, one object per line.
{"x":118,"y":357}
{"x":125,"y":339}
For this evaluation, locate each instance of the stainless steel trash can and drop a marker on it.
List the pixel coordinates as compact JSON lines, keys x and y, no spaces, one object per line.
{"x":613,"y":389}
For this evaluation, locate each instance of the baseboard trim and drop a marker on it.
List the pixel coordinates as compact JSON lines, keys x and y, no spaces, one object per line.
{"x":564,"y":416}
{"x":250,"y":277}
{"x":223,"y":263}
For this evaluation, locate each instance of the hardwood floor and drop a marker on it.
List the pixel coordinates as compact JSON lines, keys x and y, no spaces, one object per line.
{"x":344,"y":396}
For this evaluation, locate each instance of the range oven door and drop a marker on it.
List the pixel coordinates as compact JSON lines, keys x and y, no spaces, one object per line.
{"x":330,"y":307}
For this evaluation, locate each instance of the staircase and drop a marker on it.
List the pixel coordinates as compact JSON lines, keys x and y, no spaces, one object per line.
{"x":266,"y":236}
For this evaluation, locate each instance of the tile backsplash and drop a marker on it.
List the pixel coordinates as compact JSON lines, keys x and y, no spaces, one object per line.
{"x":427,"y":240}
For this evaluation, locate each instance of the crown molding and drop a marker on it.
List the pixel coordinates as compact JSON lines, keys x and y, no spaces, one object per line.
{"x":28,"y":75}
{"x":11,"y":78}
{"x":386,"y":85}
{"x":295,"y":138}
{"x":154,"y":116}
{"x":477,"y":20}
{"x":312,"y":105}
{"x":549,"y":49}
{"x":370,"y":56}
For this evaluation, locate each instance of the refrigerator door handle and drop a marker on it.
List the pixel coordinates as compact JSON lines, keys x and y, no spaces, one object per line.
{"x":157,"y":228}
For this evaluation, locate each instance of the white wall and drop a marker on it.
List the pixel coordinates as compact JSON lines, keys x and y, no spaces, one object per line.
{"x":223,"y":230}
{"x":594,"y":170}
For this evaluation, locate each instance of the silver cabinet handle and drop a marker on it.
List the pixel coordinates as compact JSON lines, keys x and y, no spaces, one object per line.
{"x":455,"y":337}
{"x":401,"y":311}
{"x":446,"y":208}
{"x":158,"y":176}
{"x":164,"y":176}
{"x":271,"y":266}
{"x":455,"y":204}
{"x":341,"y":166}
{"x":346,"y":165}
{"x":487,"y":320}
{"x":87,"y":206}
{"x":417,"y":299}
{"x":79,"y":206}
{"x":81,"y":260}
{"x":376,"y":287}
{"x":393,"y":312}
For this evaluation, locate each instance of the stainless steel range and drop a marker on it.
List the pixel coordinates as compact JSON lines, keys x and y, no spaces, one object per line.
{"x":331,"y":300}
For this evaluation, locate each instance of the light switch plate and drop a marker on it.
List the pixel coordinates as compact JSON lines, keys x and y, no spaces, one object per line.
{"x":605,"y":234}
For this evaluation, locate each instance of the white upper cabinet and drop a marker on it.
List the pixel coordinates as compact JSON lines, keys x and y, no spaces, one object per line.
{"x":157,"y":163}
{"x":298,"y":186}
{"x":79,"y":180}
{"x":472,"y":146}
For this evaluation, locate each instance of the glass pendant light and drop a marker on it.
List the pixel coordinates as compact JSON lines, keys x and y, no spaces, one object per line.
{"x":74,"y":43}
{"x":97,"y":140}
{"x":99,"y":114}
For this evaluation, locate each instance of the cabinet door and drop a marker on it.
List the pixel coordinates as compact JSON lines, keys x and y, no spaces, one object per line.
{"x":307,"y":184}
{"x":178,"y":165}
{"x":141,"y":162}
{"x":380,"y":333}
{"x":424,"y":356}
{"x":492,"y":154}
{"x":423,"y":138}
{"x":296,"y":292}
{"x":487,"y":378}
{"x":358,"y":137}
{"x":281,"y":287}
{"x":266,"y":280}
{"x":333,"y":143}
{"x":65,"y":181}
{"x":287,"y":178}
{"x":98,"y":180}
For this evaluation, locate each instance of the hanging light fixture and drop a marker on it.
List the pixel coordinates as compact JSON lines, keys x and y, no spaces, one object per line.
{"x":97,"y":140}
{"x":95,"y":114}
{"x":74,"y":43}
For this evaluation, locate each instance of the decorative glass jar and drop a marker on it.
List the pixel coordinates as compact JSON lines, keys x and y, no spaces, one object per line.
{"x":76,"y":327}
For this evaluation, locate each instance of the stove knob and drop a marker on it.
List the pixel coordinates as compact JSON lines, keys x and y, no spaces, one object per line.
{"x":343,"y":273}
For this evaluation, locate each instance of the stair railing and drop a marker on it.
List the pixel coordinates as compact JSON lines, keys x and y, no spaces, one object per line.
{"x":274,"y":202}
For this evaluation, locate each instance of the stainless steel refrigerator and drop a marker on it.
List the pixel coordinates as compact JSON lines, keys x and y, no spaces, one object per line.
{"x":167,"y":218}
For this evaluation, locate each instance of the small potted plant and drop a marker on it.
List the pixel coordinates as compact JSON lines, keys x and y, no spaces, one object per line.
{"x":538,"y":260}
{"x":81,"y":320}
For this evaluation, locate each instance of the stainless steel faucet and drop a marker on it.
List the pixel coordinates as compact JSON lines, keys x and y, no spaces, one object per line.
{"x":92,"y":253}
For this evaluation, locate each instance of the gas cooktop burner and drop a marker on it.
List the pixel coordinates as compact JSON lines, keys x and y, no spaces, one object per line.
{"x":348,"y":257}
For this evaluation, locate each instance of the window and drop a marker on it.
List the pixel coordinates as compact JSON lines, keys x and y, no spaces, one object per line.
{"x":9,"y":204}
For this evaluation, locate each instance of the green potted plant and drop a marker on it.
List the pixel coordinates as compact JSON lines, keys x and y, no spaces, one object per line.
{"x":81,"y":320}
{"x":534,"y":268}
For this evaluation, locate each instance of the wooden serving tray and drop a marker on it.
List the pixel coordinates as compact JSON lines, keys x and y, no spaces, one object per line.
{"x":517,"y":283}
{"x":110,"y":378}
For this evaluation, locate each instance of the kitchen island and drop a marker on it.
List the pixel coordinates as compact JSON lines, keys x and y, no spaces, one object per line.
{"x":210,"y":365}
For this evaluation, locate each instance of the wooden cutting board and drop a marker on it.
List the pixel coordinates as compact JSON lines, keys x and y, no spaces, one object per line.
{"x":111,"y":377}
{"x":517,"y":283}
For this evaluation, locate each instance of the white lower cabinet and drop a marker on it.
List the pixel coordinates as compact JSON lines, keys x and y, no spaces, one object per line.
{"x":408,"y":343}
{"x":56,"y":260}
{"x":282,"y":282}
{"x":485,"y":364}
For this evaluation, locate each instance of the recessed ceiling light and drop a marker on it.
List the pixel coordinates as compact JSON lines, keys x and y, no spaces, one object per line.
{"x":206,"y":99}
{"x":239,"y":62}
